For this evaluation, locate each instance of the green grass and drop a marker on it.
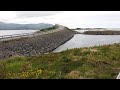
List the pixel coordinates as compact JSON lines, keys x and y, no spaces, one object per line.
{"x":99,"y":62}
{"x":48,"y":29}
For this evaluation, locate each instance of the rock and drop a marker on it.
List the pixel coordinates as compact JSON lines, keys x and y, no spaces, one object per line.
{"x":38,"y":45}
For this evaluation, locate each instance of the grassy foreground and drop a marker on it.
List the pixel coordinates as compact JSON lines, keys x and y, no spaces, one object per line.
{"x":99,"y":62}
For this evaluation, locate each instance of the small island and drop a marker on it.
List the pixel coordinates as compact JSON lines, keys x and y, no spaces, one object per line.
{"x":107,"y":32}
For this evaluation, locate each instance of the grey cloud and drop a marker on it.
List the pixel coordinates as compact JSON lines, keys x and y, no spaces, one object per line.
{"x":35,"y":13}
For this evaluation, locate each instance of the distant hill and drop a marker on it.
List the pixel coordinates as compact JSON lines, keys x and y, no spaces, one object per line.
{"x":14,"y":26}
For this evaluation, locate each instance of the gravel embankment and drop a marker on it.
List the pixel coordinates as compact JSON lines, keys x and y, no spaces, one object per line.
{"x":35,"y":45}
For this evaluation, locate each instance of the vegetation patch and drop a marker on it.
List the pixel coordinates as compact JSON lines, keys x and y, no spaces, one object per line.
{"x":48,"y":29}
{"x":99,"y":62}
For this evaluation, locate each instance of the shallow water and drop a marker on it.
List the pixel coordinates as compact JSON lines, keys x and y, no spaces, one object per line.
{"x":11,"y":32}
{"x":81,"y":40}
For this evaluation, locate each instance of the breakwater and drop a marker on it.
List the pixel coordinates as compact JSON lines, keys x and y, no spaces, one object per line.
{"x":39,"y":44}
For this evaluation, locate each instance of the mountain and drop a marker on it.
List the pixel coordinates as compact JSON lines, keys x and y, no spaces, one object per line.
{"x":13,"y":26}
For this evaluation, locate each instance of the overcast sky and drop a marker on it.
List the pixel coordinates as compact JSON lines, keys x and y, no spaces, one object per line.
{"x":72,"y":19}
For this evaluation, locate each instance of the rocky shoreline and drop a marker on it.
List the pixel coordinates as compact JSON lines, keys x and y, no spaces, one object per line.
{"x":31,"y":46}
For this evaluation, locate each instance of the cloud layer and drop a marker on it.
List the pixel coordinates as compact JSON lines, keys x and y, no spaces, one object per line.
{"x":72,"y":19}
{"x":35,"y":13}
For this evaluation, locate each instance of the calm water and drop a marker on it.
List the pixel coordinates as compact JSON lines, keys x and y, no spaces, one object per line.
{"x":80,"y":40}
{"x":11,"y":32}
{"x":81,"y":31}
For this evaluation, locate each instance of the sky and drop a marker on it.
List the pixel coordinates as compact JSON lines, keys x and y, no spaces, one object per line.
{"x":71,"y":19}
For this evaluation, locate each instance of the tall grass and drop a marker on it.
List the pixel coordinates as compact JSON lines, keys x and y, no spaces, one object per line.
{"x":99,"y":62}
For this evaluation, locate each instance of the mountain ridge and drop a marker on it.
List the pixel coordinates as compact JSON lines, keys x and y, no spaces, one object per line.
{"x":15,"y":26}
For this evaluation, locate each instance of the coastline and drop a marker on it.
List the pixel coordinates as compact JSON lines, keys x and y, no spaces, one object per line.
{"x":39,"y":44}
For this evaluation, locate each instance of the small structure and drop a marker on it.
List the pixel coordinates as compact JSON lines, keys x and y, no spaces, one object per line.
{"x":118,"y":77}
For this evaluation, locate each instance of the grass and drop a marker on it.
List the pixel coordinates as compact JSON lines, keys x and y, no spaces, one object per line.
{"x":99,"y":62}
{"x":48,"y":29}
